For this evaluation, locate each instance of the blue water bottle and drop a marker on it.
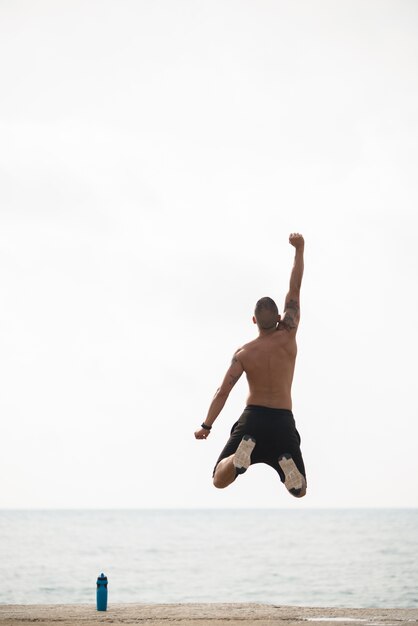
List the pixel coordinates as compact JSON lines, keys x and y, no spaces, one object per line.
{"x":101,"y":594}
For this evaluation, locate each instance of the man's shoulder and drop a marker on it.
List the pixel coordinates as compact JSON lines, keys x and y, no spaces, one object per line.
{"x":250,"y":344}
{"x":287,"y":327}
{"x":245,"y":350}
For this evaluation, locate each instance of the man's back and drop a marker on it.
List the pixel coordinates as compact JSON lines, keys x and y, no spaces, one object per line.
{"x":269,"y":364}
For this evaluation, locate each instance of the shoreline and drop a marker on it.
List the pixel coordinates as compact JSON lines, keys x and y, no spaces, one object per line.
{"x":216,"y":614}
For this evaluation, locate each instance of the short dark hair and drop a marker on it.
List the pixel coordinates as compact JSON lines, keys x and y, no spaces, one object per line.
{"x":266,"y":313}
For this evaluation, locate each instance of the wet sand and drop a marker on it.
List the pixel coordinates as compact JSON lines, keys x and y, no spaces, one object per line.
{"x":202,"y":615}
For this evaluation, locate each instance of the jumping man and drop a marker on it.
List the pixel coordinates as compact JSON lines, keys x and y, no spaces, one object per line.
{"x":266,"y":431}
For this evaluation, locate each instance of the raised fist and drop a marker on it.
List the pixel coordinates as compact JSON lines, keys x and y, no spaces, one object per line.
{"x":296,"y":240}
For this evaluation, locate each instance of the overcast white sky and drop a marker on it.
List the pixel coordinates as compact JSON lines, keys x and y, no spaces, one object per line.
{"x":154,"y":157}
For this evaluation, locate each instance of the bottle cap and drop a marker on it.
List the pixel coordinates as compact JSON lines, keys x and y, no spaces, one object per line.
{"x":102,"y":577}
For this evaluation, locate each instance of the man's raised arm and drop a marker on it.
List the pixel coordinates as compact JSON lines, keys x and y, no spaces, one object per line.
{"x":292,"y":303}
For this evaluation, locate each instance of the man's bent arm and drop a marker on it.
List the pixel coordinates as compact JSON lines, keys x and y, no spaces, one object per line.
{"x":216,"y":406}
{"x":231,"y":377}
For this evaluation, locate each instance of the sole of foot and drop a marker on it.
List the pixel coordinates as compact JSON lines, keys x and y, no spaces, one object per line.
{"x":294,"y":481}
{"x":242,"y":457}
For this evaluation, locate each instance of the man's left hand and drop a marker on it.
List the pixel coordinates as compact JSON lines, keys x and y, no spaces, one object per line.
{"x":202,"y":433}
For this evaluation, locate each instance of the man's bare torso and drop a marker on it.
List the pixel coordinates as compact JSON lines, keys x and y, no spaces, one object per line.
{"x":269,"y":363}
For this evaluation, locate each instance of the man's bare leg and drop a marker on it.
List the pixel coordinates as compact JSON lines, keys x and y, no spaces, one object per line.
{"x":225,"y":473}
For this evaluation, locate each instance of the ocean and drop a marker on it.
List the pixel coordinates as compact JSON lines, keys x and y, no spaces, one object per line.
{"x":335,"y":558}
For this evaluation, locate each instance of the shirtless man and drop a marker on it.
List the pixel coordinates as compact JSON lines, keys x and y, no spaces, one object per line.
{"x":266,"y":431}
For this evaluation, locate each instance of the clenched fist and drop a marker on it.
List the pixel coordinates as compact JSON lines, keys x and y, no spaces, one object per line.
{"x":296,"y":240}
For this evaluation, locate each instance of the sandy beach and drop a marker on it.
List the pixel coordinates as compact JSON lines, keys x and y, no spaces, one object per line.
{"x":202,"y":615}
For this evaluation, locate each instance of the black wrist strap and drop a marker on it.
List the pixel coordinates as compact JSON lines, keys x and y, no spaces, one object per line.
{"x":205,"y":426}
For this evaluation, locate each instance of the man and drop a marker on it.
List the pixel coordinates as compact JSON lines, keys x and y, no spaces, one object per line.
{"x":266,"y":431}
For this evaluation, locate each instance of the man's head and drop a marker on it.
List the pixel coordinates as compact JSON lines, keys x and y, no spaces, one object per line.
{"x":266,"y":314}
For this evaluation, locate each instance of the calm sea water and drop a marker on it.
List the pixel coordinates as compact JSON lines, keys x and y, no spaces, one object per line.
{"x":347,"y":558}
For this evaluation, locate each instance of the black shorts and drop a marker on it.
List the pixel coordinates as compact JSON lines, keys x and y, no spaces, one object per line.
{"x":275,"y":433}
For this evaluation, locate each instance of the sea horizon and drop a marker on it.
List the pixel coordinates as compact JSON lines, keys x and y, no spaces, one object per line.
{"x":363,"y":557}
